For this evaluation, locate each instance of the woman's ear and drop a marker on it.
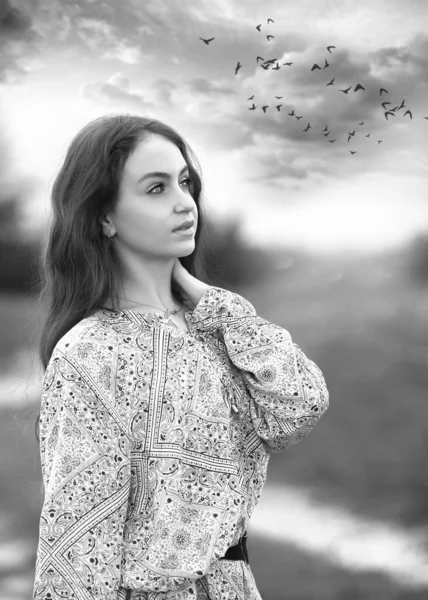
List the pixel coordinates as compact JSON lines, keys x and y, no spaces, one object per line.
{"x":106,"y":225}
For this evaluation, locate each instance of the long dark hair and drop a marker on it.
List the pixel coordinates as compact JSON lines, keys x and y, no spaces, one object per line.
{"x":80,"y":271}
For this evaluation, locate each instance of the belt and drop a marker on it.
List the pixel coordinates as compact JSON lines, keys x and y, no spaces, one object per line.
{"x":239,"y":551}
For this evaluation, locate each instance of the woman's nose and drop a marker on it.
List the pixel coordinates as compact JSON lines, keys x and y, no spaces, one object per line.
{"x":187,"y":200}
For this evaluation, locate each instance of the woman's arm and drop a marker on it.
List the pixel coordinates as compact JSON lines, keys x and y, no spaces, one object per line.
{"x":288,"y":392}
{"x":86,"y":468}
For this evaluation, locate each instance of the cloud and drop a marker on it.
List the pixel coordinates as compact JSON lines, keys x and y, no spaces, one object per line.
{"x":119,"y":80}
{"x":118,"y":89}
{"x":103,"y":37}
{"x":114,"y":91}
{"x":158,"y":45}
{"x":208,"y":87}
{"x":399,"y":68}
{"x":98,"y":29}
{"x":13,"y":23}
{"x":164,"y":89}
{"x":130,"y":55}
{"x":18,"y":42}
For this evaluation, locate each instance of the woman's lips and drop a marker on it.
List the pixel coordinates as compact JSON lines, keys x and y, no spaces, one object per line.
{"x":188,"y":230}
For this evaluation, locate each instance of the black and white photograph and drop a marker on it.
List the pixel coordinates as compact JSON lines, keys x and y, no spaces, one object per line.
{"x":213,"y":300}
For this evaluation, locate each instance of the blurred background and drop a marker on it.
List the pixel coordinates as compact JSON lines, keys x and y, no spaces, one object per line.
{"x":331,"y":245}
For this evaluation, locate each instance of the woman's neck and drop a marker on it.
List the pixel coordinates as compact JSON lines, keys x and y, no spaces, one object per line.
{"x":135,"y":302}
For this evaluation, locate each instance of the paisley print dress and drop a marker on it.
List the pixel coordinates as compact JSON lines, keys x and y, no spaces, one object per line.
{"x":154,"y":446}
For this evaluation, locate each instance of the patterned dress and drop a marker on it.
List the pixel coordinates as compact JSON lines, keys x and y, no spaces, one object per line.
{"x":154,"y":446}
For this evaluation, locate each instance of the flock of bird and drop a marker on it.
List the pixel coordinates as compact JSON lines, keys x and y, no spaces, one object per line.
{"x":265,"y":65}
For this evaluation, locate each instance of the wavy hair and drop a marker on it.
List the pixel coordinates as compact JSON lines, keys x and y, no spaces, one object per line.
{"x":79,"y":271}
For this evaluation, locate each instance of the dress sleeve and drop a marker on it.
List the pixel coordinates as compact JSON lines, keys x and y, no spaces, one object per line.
{"x":288,"y":392}
{"x":86,"y":469}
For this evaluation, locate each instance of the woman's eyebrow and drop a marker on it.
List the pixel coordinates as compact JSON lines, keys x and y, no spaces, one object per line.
{"x":161,"y":174}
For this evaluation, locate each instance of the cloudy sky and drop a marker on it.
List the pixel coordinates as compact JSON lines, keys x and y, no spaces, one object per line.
{"x":64,"y":63}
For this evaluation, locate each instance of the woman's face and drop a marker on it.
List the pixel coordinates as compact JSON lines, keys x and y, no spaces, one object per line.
{"x":149,"y":207}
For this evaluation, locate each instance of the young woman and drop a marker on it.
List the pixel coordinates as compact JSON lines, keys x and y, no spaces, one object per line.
{"x":163,"y":396}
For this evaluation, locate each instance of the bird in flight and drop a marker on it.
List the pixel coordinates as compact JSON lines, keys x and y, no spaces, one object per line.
{"x":265,"y":65}
{"x":271,"y":20}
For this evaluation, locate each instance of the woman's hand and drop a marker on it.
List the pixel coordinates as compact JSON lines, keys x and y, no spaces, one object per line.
{"x":190,"y":288}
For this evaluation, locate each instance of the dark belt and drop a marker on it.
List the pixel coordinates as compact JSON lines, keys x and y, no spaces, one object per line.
{"x":239,"y":551}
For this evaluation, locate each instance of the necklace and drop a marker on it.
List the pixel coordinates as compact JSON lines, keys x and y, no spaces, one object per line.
{"x":167,"y":312}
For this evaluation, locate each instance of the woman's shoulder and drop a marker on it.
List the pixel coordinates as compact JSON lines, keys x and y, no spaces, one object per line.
{"x":93,"y":328}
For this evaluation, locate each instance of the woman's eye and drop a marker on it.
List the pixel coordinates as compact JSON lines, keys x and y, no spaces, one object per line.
{"x":188,"y":179}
